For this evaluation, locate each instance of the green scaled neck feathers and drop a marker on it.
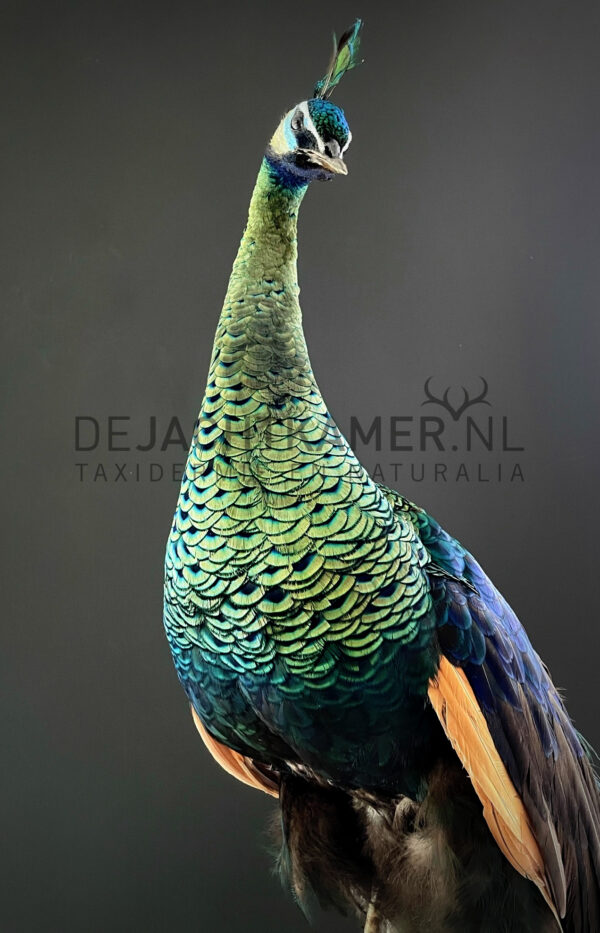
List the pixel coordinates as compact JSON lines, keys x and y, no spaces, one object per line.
{"x":269,"y":248}
{"x":259,"y":340}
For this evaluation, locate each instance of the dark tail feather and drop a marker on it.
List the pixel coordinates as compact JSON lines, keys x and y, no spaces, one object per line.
{"x":430,"y":866}
{"x":322,"y":845}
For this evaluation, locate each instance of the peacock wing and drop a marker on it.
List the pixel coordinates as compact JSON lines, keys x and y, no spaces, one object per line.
{"x":510,"y":729}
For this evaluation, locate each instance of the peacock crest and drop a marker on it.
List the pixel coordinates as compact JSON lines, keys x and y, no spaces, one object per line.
{"x":344,"y":58}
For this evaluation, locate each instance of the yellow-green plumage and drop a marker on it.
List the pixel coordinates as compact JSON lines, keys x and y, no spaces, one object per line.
{"x":320,"y":624}
{"x":288,"y":572}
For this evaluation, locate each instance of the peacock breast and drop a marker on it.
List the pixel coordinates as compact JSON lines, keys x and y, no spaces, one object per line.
{"x":295,"y":597}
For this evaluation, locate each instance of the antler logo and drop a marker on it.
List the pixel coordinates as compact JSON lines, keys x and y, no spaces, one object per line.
{"x":444,"y":401}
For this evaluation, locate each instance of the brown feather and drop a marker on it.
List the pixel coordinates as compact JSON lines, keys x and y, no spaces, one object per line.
{"x":457,"y":708}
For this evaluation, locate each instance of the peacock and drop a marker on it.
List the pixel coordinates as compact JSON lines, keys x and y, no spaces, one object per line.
{"x":341,"y":651}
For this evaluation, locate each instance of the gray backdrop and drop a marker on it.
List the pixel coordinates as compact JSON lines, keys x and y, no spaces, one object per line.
{"x":463,"y":243}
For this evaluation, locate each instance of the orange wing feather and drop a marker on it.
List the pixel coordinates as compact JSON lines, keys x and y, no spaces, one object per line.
{"x":235,"y":764}
{"x":457,"y":708}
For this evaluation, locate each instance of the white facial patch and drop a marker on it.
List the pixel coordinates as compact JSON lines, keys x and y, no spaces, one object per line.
{"x":349,"y":140}
{"x":310,"y":126}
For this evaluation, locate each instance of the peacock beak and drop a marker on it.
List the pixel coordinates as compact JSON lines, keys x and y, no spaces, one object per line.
{"x":336,"y":166}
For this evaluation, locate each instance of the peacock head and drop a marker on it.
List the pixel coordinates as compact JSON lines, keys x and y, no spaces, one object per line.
{"x":313,"y":136}
{"x":311,"y":140}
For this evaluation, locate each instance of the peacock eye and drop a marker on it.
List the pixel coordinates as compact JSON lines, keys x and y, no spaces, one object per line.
{"x":297,"y":121}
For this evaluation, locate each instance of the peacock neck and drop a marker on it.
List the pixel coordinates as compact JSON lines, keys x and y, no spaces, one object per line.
{"x":269,"y":248}
{"x":260,"y":335}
